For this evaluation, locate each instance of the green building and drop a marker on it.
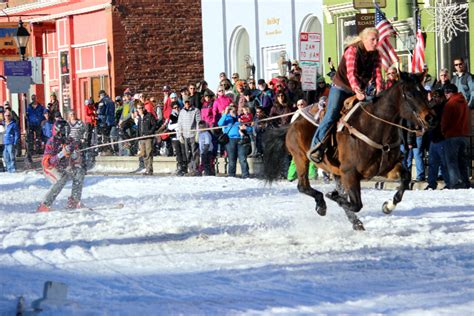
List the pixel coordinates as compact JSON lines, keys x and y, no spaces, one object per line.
{"x":340,"y":23}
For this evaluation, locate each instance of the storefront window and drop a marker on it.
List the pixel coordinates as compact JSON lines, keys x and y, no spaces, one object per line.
{"x":347,"y":31}
{"x":97,"y":84}
{"x":271,"y":57}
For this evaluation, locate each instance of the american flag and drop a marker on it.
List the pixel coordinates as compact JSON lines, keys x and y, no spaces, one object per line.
{"x":418,"y":60}
{"x":385,"y":28}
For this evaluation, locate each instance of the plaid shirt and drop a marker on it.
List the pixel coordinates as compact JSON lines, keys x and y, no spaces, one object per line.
{"x":350,"y":56}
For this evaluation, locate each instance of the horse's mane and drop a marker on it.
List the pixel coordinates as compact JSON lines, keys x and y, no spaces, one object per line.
{"x":405,"y":78}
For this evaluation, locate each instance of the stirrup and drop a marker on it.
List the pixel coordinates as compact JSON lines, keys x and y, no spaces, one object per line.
{"x":316,"y":154}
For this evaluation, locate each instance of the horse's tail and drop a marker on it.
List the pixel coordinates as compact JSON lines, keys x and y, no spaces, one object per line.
{"x":274,"y":153}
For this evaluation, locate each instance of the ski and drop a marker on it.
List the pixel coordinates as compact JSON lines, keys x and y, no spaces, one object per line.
{"x":97,"y":208}
{"x":89,"y":209}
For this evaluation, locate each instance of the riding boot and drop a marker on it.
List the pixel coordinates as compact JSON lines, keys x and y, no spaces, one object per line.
{"x":316,"y":154}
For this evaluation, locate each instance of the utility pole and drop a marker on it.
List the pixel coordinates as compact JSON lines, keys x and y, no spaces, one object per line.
{"x":415,"y":14}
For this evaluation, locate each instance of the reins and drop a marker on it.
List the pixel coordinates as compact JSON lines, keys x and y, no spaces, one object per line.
{"x":390,"y":123}
{"x":173,"y":133}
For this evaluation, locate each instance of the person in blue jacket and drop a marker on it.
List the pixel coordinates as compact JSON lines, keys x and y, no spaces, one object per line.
{"x":105,"y":121}
{"x":10,"y":140}
{"x":47,"y":126}
{"x":234,"y":147}
{"x":34,"y":117}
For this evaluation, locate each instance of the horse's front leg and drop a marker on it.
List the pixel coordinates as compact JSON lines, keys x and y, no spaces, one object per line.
{"x":405,"y":179}
{"x":305,"y":187}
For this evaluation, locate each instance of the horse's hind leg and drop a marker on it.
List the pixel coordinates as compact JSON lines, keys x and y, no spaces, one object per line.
{"x":305,"y":187}
{"x":405,"y":179}
{"x":350,"y":202}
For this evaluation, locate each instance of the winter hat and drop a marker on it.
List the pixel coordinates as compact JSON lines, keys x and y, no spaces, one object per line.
{"x":166,"y":88}
{"x":87,"y":102}
{"x":450,"y":88}
{"x":261,"y":81}
{"x":173,"y":95}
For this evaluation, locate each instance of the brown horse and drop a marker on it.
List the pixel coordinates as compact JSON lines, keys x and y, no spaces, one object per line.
{"x":367,"y":147}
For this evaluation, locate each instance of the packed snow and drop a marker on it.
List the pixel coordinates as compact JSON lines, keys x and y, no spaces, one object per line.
{"x":217,"y":245}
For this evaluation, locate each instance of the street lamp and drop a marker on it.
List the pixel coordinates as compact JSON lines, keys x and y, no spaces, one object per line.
{"x":22,"y":36}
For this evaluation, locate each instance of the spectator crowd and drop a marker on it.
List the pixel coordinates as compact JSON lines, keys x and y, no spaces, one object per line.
{"x":201,"y":124}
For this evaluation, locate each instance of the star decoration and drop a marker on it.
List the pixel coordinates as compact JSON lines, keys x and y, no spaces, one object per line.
{"x":448,"y":19}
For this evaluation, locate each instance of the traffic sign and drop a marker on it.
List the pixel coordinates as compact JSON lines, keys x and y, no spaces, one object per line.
{"x":21,"y":68}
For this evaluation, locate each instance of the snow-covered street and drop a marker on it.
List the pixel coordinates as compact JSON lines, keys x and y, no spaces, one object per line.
{"x":216,"y":245}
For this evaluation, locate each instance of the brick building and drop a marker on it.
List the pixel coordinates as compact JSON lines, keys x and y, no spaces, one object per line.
{"x":86,"y":46}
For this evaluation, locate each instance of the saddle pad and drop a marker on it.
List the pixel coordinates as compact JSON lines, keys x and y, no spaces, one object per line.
{"x":311,"y":113}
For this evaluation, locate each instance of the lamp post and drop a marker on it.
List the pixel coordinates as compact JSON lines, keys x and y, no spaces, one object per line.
{"x":22,"y":37}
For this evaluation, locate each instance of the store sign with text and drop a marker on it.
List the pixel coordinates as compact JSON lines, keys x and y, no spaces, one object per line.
{"x":310,"y":47}
{"x":8,"y":48}
{"x":368,"y":4}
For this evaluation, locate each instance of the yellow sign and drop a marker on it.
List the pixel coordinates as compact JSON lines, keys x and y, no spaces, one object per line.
{"x":368,"y":4}
{"x":8,"y":47}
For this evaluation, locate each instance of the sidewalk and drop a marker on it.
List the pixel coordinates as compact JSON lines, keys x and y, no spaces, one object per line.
{"x":165,"y":166}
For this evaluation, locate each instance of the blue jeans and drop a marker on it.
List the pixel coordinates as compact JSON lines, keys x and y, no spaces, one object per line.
{"x":335,"y":104}
{"x":407,"y":157}
{"x":9,"y":157}
{"x":234,"y":150}
{"x":456,"y":162}
{"x":436,"y":161}
{"x":417,"y":153}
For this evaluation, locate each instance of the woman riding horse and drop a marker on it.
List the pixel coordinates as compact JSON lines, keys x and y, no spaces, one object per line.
{"x":367,"y":146}
{"x":359,"y":66}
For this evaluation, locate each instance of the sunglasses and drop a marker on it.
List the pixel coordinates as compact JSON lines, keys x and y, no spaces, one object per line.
{"x":458,"y":64}
{"x":139,"y":108}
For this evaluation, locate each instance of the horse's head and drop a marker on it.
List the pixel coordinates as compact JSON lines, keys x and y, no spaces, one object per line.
{"x":414,"y":105}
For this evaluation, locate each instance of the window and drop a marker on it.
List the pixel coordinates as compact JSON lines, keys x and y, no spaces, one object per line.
{"x":271,"y":56}
{"x":97,"y":84}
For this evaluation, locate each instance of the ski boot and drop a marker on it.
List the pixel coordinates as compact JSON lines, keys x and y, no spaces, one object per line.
{"x":73,"y":203}
{"x":43,"y":208}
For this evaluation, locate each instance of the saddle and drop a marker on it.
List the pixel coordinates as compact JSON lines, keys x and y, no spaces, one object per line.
{"x":313,"y":114}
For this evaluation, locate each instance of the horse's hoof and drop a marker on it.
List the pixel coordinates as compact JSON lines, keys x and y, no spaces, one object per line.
{"x":358,"y":225}
{"x":388,"y":207}
{"x":332,"y":195}
{"x":321,"y":210}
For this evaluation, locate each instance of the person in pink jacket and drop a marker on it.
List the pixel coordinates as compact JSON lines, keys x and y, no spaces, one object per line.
{"x":207,"y":110}
{"x":220,"y":104}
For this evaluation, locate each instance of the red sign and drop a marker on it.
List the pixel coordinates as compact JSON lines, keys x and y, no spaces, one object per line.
{"x":310,"y":47}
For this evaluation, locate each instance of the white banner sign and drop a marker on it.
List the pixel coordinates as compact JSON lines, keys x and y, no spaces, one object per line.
{"x":310,"y":73}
